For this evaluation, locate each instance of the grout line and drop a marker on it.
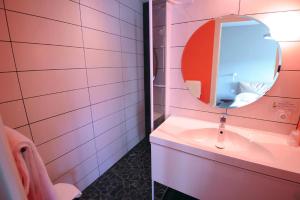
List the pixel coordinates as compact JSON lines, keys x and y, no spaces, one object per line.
{"x":96,"y":151}
{"x":77,"y":128}
{"x":62,"y":45}
{"x":282,"y":70}
{"x":136,"y":26}
{"x":272,"y":12}
{"x":87,"y":80}
{"x":234,"y":115}
{"x":123,"y":73}
{"x":174,"y":88}
{"x":10,"y":101}
{"x":110,"y":14}
{"x":274,"y":96}
{"x":114,"y":112}
{"x":69,"y":151}
{"x":76,"y":89}
{"x":72,"y":24}
{"x":63,"y":134}
{"x":22,"y":126}
{"x":109,"y":129}
{"x":15,"y":64}
{"x":191,"y":21}
{"x":66,"y":69}
{"x":68,"y":171}
{"x":60,"y":114}
{"x":39,"y":16}
{"x":266,"y":95}
{"x":206,"y":19}
{"x":89,"y":173}
{"x":141,"y":15}
{"x":218,"y":113}
{"x":108,"y":115}
{"x":121,"y":137}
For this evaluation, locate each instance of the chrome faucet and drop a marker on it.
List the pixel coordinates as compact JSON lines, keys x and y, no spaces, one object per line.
{"x":221,"y":137}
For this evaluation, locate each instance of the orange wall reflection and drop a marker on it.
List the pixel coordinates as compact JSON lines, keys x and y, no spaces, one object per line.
{"x":197,"y":58}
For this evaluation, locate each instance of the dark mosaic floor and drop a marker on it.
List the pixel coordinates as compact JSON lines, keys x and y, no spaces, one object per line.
{"x":130,"y":179}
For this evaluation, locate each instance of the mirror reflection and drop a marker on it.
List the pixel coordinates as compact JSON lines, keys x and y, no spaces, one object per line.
{"x":231,"y":61}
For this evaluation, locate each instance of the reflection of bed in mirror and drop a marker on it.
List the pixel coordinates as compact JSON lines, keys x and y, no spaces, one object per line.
{"x":230,"y":62}
{"x":247,"y":92}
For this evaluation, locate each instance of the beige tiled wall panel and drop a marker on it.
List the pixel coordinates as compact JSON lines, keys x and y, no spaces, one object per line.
{"x":72,"y":88}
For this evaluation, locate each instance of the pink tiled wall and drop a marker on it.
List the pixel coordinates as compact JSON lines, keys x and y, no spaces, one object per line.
{"x":71,"y":79}
{"x":184,"y":19}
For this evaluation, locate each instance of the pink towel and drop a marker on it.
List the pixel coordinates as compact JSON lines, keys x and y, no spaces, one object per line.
{"x":35,"y":179}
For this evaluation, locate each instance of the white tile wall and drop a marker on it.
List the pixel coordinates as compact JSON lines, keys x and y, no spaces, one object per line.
{"x":58,"y":146}
{"x":42,"y":30}
{"x":13,"y":113}
{"x":69,"y":88}
{"x":3,"y":26}
{"x":34,"y":83}
{"x":25,"y":130}
{"x":66,"y":162}
{"x":205,"y":9}
{"x":110,"y":7}
{"x":44,"y":57}
{"x":106,"y":123}
{"x":87,"y":180}
{"x":43,"y":107}
{"x":9,"y":87}
{"x":100,"y":40}
{"x":101,"y":58}
{"x":100,"y":21}
{"x":109,"y":162}
{"x":6,"y":57}
{"x":101,"y":93}
{"x":129,"y":45}
{"x":185,"y":19}
{"x":101,"y":76}
{"x":79,"y":172}
{"x":48,"y":129}
{"x":53,"y":9}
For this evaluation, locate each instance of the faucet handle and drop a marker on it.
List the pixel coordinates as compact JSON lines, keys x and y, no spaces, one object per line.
{"x":223,"y":119}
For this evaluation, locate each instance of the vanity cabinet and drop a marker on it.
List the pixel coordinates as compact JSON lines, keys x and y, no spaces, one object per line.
{"x":206,"y":179}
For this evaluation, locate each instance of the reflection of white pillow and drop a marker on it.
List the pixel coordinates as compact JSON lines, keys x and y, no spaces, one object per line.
{"x":244,"y":98}
{"x":259,"y":88}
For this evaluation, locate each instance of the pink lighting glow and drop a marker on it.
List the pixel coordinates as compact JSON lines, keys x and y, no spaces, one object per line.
{"x":284,"y":26}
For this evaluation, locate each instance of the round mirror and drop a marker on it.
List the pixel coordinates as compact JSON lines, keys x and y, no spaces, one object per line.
{"x":231,"y":61}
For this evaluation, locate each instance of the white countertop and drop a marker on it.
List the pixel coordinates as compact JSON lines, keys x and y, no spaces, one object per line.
{"x":271,"y":154}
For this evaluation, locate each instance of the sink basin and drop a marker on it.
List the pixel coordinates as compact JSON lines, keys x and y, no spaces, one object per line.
{"x":234,"y":142}
{"x":254,"y":164}
{"x":208,"y":137}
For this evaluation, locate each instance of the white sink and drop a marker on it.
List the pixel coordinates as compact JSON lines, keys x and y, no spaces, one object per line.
{"x":254,"y":164}
{"x":235,"y":143}
{"x":251,"y":147}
